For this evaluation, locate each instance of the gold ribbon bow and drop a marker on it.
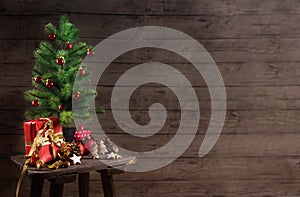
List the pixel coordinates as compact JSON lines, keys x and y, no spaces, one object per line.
{"x":46,"y":134}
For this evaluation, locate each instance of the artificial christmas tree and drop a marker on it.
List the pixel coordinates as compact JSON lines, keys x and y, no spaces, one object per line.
{"x":57,"y":63}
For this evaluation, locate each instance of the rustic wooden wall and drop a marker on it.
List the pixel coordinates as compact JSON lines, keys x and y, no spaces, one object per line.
{"x":256,"y":45}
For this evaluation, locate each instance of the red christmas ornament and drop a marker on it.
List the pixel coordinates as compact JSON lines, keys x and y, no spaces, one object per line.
{"x":61,"y":107}
{"x":60,"y":61}
{"x":76,"y":95}
{"x":38,"y":79}
{"x":69,"y":45}
{"x":49,"y":83}
{"x":90,"y":52}
{"x":35,"y":103}
{"x":89,"y":144}
{"x":81,"y":71}
{"x":51,"y":36}
{"x":86,"y":150}
{"x":81,"y":148}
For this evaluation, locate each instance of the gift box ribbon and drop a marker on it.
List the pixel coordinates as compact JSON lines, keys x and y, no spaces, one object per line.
{"x":43,"y":137}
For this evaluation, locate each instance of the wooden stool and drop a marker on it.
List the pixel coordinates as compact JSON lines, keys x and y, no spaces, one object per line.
{"x":59,"y":177}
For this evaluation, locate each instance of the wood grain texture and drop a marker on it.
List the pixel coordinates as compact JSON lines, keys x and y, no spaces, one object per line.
{"x":256,"y":45}
{"x":265,"y":122}
{"x":228,"y":146}
{"x":199,"y":27}
{"x":153,"y":7}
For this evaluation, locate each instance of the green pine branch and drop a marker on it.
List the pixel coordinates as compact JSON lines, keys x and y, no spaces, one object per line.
{"x":62,"y":76}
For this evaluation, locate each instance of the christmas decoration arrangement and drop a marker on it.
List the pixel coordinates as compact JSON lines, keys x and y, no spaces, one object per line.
{"x":108,"y":149}
{"x":103,"y":149}
{"x":45,"y":145}
{"x":57,"y":63}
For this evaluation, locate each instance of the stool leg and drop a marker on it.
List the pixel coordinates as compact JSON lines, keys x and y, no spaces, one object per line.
{"x":107,"y":184}
{"x":36,"y":187}
{"x":83,"y":181}
{"x":56,"y":189}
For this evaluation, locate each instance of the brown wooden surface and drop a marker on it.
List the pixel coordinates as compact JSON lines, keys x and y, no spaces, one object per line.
{"x":36,"y":187}
{"x":56,"y":189}
{"x":83,"y":183}
{"x":256,"y":45}
{"x":107,"y":184}
{"x":61,"y":176}
{"x":87,"y":165}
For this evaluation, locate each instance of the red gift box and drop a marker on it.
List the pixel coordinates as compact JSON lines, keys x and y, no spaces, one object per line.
{"x":32,"y":127}
{"x":46,"y":154}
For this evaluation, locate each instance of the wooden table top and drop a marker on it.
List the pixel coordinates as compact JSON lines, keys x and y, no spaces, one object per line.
{"x":87,"y":165}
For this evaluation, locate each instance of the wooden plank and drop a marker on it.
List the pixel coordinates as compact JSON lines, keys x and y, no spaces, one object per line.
{"x":214,"y":171}
{"x":276,"y":188}
{"x":237,"y":121}
{"x":208,"y":188}
{"x":8,"y":187}
{"x":34,"y":7}
{"x":263,"y":49}
{"x":277,"y":121}
{"x":9,"y":171}
{"x":16,"y":75}
{"x":87,"y":165}
{"x":33,"y":26}
{"x":168,"y":7}
{"x":188,"y":7}
{"x":238,"y":98}
{"x":234,"y":74}
{"x":199,"y":27}
{"x":221,"y":169}
{"x":232,"y":7}
{"x":70,"y":189}
{"x":13,"y":121}
{"x":228,"y":145}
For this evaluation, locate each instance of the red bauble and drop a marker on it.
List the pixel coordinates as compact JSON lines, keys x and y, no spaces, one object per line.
{"x":61,"y":107}
{"x":60,"y":61}
{"x":51,"y":36}
{"x":35,"y":103}
{"x":38,"y":79}
{"x":76,"y":96}
{"x":89,"y":144}
{"x":69,"y":46}
{"x":81,"y":71}
{"x":90,"y":52}
{"x":81,"y":147}
{"x":49,"y":83}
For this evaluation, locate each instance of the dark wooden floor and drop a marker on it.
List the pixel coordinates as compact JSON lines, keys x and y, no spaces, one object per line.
{"x":256,"y":45}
